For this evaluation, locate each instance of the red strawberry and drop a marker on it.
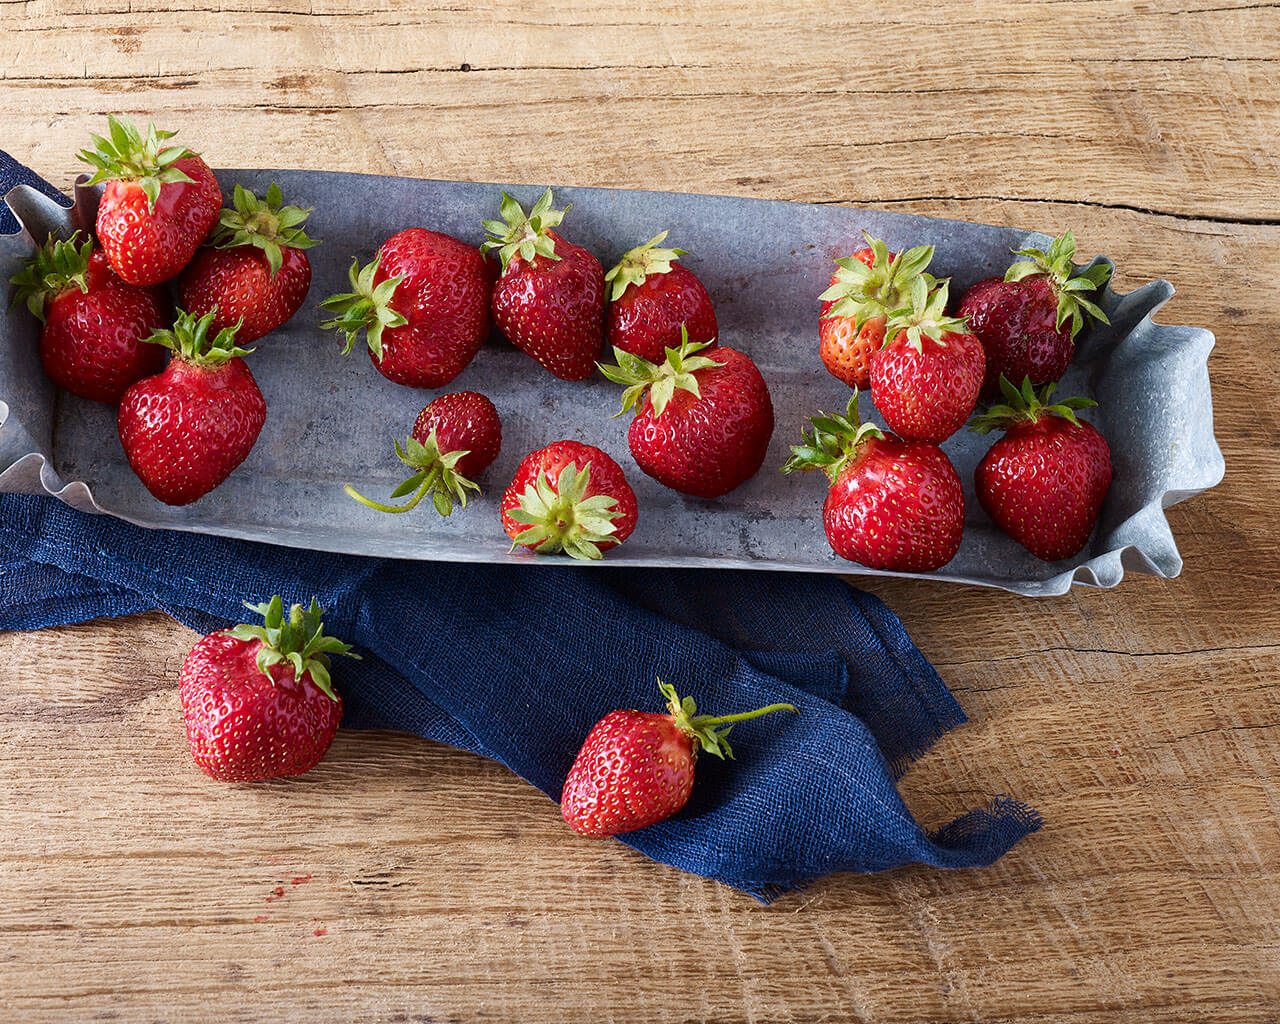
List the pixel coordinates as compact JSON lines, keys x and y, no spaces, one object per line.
{"x":158,"y":204}
{"x":95,"y":325}
{"x":893,"y":504}
{"x":257,"y":700}
{"x":569,"y":497}
{"x":1021,"y":319}
{"x":653,"y":298}
{"x":1043,"y":482}
{"x":865,"y":288}
{"x":454,"y":438}
{"x":254,"y":269}
{"x":424,"y":306}
{"x":185,"y":429}
{"x":703,"y":421}
{"x":925,"y":380}
{"x":635,"y":768}
{"x":549,"y":298}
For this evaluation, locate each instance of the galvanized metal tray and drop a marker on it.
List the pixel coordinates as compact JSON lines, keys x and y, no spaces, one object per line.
{"x":331,"y":420}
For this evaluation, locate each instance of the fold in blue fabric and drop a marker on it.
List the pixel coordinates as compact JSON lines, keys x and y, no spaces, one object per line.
{"x":517,"y":663}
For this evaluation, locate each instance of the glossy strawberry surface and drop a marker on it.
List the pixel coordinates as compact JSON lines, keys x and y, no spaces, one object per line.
{"x":927,"y":395}
{"x":462,"y":421}
{"x":647,"y":317}
{"x":239,"y":283}
{"x":554,"y":309}
{"x":92,"y":342}
{"x":185,"y":429}
{"x":846,"y":349}
{"x":242,"y":726}
{"x":1044,"y":483}
{"x":707,"y":444}
{"x":147,"y":246}
{"x":1016,"y":323}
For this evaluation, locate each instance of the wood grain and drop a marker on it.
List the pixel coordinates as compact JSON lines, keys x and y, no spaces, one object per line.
{"x":404,"y":881}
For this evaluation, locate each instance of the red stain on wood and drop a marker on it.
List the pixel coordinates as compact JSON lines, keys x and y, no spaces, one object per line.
{"x":302,"y":878}
{"x":276,"y":893}
{"x":260,"y":918}
{"x":321,"y":931}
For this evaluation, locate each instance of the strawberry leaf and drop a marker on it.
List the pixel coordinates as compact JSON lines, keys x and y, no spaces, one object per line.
{"x":298,"y":640}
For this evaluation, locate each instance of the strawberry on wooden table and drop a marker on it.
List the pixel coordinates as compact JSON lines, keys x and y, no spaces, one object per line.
{"x":423,"y":304}
{"x":892,"y":504}
{"x":865,"y":288}
{"x":653,"y":299}
{"x":549,"y":297}
{"x":703,"y":416}
{"x":1043,"y":482}
{"x":158,"y":204}
{"x":636,"y":768}
{"x":454,"y":438}
{"x":258,"y":701}
{"x":1028,"y":320}
{"x":185,"y":429}
{"x":925,"y":381}
{"x":569,"y":497}
{"x":93,"y":324}
{"x":253,"y":270}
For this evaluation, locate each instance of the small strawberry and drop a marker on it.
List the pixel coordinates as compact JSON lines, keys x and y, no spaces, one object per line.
{"x":1021,"y":319}
{"x":158,"y":204}
{"x":1043,"y":482}
{"x":185,"y":429}
{"x":569,"y":497}
{"x":454,"y":438}
{"x":423,"y":304}
{"x":865,"y":288}
{"x":636,"y":768}
{"x":253,"y":269}
{"x":257,"y":700}
{"x":925,"y":380}
{"x":549,"y":297}
{"x":893,"y":504}
{"x":703,"y":416}
{"x":653,"y":298}
{"x":94,"y":324}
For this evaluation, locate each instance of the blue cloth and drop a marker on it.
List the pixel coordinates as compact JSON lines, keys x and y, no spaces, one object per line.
{"x":517,"y":664}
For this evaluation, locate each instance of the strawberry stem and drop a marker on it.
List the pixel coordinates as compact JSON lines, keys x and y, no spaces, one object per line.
{"x":436,"y":475}
{"x":684,"y":712}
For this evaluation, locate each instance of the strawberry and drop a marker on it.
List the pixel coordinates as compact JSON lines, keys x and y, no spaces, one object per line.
{"x":158,"y":204}
{"x":925,"y":380}
{"x":454,"y":438}
{"x":703,"y":421}
{"x":569,"y":497}
{"x":636,"y":768}
{"x":423,"y":304}
{"x":94,"y":324}
{"x":653,"y":298}
{"x":865,"y":288}
{"x":257,"y":701}
{"x":1043,"y":482}
{"x":185,"y":429}
{"x":1021,"y":319}
{"x":892,"y":504}
{"x":253,"y":269}
{"x":549,"y":297}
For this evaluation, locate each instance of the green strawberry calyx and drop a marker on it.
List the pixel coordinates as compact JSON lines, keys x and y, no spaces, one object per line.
{"x":367,"y":307}
{"x":526,"y":234}
{"x":926,"y":316}
{"x":641,"y":263}
{"x":263,"y":222}
{"x":1075,"y":290}
{"x":661,"y":380}
{"x":704,"y":728}
{"x":1026,"y":405}
{"x":189,"y":340}
{"x":834,"y":442}
{"x":864,"y":292}
{"x":560,"y":516}
{"x":126,"y":155}
{"x":435,"y":474}
{"x":53,"y":268}
{"x":298,"y":640}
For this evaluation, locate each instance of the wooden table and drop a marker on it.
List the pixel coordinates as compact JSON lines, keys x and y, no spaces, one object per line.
{"x":404,"y":881}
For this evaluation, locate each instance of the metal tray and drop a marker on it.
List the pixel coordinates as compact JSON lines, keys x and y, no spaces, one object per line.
{"x":331,"y":420}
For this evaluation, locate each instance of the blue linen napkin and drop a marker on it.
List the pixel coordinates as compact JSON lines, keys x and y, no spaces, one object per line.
{"x":517,"y":664}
